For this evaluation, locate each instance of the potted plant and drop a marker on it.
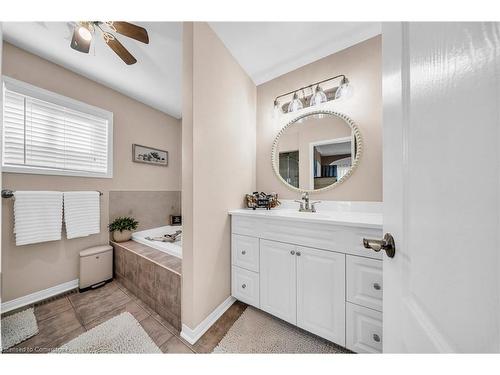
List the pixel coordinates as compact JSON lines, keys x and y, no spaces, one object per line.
{"x":122,"y":228}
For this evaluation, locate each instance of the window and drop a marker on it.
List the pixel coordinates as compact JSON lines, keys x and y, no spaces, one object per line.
{"x":47,"y":133}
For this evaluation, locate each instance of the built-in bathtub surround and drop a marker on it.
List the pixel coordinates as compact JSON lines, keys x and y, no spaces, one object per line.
{"x":151,"y":209}
{"x":153,"y":276}
{"x":38,"y":270}
{"x":362,"y":64}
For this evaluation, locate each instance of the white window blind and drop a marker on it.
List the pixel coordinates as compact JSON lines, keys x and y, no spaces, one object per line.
{"x":47,"y":133}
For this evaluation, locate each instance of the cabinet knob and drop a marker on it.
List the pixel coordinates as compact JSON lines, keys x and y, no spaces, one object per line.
{"x":298,"y":253}
{"x":244,"y":286}
{"x":292,"y":252}
{"x":243,"y":252}
{"x":376,"y":337}
{"x":376,"y":286}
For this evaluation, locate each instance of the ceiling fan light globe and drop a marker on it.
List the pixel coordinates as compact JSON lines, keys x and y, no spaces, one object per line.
{"x":84,"y":33}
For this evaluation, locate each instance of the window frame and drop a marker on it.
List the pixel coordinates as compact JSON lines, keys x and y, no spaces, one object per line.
{"x":27,"y":89}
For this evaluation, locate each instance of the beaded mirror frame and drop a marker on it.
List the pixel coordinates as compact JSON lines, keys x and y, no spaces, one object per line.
{"x":359,"y":149}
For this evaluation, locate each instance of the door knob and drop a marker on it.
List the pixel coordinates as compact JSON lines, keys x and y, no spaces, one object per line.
{"x":387,"y":244}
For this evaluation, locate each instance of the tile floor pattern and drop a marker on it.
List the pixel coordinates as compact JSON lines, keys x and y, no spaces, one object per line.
{"x":63,"y":319}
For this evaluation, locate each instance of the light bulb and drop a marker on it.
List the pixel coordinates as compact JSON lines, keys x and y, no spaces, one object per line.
{"x":344,"y":90}
{"x":318,"y":97}
{"x":295,"y":104}
{"x":84,"y":33}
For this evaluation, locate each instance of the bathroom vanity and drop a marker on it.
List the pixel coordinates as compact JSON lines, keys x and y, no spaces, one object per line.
{"x":311,"y":270}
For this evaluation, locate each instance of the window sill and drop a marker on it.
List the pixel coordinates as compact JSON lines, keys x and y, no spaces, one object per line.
{"x":53,"y":172}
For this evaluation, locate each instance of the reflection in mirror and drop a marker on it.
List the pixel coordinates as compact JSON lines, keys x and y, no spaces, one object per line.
{"x":315,"y":152}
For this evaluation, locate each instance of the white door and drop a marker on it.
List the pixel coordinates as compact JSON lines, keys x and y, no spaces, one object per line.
{"x":278,"y":280}
{"x":321,"y":293}
{"x":441,"y":186}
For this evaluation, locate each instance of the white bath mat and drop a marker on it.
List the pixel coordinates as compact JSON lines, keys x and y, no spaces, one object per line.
{"x":121,"y":334}
{"x":258,"y":332}
{"x":18,"y":327}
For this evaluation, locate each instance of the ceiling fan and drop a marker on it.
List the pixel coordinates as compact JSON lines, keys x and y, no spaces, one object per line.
{"x":84,"y":31}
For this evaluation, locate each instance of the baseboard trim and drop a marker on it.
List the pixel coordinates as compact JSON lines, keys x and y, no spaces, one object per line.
{"x":38,"y":296}
{"x":193,"y":335}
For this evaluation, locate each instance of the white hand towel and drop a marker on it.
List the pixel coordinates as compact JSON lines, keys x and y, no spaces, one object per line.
{"x":37,"y":216}
{"x":82,"y":213}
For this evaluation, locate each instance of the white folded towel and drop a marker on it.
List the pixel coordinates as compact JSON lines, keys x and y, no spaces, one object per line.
{"x":37,"y":216}
{"x":82,"y":213}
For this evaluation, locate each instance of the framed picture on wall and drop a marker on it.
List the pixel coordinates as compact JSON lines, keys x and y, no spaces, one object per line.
{"x":149,"y":155}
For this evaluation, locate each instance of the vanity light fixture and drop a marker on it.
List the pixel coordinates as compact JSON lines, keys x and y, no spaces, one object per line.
{"x":276,"y":108}
{"x":345,"y":89}
{"x":295,"y":104}
{"x":318,"y":95}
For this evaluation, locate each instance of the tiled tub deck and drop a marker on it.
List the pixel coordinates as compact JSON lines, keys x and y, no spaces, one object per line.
{"x":153,"y":276}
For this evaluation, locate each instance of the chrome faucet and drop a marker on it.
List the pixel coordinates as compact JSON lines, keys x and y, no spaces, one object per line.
{"x":306,"y":205}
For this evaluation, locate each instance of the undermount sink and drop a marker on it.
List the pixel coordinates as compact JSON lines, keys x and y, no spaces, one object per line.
{"x":294,"y":213}
{"x":305,"y":214}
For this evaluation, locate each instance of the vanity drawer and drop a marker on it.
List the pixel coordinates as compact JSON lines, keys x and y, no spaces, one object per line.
{"x":245,"y":286}
{"x":363,"y":329}
{"x":364,"y":282}
{"x":245,"y":252}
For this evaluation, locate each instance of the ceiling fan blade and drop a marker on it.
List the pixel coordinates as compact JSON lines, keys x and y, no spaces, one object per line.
{"x":78,"y":43}
{"x":128,"y":29}
{"x":118,"y":48}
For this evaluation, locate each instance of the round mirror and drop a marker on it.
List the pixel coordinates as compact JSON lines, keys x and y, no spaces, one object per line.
{"x":316,"y":151}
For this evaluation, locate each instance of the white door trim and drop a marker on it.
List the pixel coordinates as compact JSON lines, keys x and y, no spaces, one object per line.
{"x":326,"y":142}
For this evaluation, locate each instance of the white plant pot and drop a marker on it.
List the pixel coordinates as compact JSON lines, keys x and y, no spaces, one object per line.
{"x":122,"y":236}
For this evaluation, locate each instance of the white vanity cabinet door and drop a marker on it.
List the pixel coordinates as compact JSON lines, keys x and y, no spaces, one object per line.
{"x":278,"y":280}
{"x":245,"y":252}
{"x":364,"y":329}
{"x":321,"y":293}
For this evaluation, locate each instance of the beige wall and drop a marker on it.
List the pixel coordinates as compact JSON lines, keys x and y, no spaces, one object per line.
{"x":219,"y":135}
{"x":151,"y":209}
{"x":362,"y":65}
{"x":27,"y":269}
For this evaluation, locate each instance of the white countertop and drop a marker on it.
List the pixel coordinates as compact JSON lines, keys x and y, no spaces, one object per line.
{"x":348,"y":218}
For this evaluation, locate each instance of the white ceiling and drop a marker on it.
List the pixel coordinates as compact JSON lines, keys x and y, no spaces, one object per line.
{"x":267,"y":50}
{"x":154,"y":80}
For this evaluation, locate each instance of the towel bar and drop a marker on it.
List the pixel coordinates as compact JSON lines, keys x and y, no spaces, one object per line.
{"x":6,"y":193}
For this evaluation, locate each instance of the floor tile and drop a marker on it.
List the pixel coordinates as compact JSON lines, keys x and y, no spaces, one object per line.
{"x":49,"y":309}
{"x":208,"y":342}
{"x":92,"y":304}
{"x":66,"y":338}
{"x":175,"y":345}
{"x":52,"y":329}
{"x":166,"y":323}
{"x":138,"y":313}
{"x":158,"y":333}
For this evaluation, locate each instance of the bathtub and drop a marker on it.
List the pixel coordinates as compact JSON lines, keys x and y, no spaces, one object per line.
{"x":172,"y":248}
